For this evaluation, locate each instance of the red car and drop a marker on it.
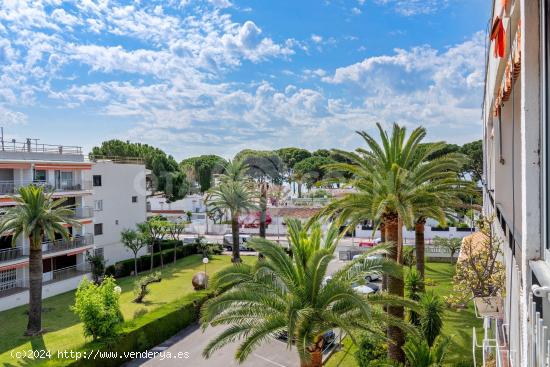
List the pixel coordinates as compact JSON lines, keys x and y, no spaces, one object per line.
{"x":367,"y":244}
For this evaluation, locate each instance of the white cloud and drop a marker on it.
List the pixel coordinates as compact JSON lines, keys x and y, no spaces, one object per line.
{"x":415,"y":7}
{"x":316,"y":38}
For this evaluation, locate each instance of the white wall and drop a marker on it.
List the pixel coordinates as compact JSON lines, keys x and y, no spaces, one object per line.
{"x":48,"y":290}
{"x":119,"y":182}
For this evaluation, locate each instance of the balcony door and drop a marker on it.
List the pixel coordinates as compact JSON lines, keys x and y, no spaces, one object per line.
{"x":63,"y":180}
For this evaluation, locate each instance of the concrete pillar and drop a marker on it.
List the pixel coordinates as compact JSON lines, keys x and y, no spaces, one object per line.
{"x":531,"y":241}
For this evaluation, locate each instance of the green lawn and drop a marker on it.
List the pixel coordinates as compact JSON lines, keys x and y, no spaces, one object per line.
{"x":64,"y":331}
{"x":457,"y":323}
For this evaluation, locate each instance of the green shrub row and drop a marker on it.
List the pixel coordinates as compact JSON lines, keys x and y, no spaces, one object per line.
{"x":143,"y":333}
{"x":126,"y":267}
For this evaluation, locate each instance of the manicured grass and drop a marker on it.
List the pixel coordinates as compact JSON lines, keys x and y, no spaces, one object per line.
{"x":64,"y":331}
{"x":456,"y":323}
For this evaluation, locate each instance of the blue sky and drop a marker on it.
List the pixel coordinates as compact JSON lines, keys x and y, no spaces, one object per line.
{"x":217,"y":76}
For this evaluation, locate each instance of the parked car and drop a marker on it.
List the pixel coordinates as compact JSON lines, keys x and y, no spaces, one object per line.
{"x":365,"y":289}
{"x":228,"y":242}
{"x":371,"y":276}
{"x":328,"y":338}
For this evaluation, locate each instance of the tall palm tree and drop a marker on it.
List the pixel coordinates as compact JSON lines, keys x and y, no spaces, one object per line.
{"x":36,"y":216}
{"x":284,"y":294}
{"x":236,"y":194}
{"x":392,"y":180}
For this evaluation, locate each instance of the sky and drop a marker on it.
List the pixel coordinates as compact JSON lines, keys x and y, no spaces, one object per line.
{"x":216,"y":76}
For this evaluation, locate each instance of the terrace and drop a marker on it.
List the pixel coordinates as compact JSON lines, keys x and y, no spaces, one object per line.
{"x":11,"y":187}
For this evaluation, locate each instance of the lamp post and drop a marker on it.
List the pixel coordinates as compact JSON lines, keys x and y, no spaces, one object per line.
{"x":205,"y":261}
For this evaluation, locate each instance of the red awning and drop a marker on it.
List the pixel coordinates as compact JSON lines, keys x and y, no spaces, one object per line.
{"x":85,"y":166}
{"x":14,"y":266}
{"x":76,"y":252}
{"x":15,"y":165}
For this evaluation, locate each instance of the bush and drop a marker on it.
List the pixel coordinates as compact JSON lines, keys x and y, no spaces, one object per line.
{"x":126,"y":267}
{"x":431,"y":319}
{"x":370,"y":351}
{"x":98,"y":308}
{"x":145,"y":332}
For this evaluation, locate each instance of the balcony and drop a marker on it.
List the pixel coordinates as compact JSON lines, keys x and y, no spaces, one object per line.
{"x":83,"y":212}
{"x":17,"y":285}
{"x":70,"y":244}
{"x":11,"y":254}
{"x":11,"y":187}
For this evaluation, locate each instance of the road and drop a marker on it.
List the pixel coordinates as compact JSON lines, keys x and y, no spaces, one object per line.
{"x":192,"y":340}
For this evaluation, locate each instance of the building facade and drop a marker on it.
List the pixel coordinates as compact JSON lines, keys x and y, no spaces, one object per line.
{"x":66,"y":173}
{"x":515,"y":141}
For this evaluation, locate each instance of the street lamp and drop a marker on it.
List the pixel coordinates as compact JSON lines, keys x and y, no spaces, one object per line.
{"x":205,"y":261}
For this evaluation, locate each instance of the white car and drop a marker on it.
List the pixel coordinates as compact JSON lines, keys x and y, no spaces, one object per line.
{"x":372,"y":276}
{"x":364,"y":289}
{"x":228,"y":242}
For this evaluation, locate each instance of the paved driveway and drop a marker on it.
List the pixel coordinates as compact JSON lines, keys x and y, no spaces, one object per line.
{"x":192,"y":340}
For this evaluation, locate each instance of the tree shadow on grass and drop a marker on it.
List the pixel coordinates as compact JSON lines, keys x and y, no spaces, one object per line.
{"x":38,"y":348}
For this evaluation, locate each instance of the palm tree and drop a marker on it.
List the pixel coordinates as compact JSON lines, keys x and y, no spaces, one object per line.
{"x":36,"y":216}
{"x":236,"y":194}
{"x":291,"y":295}
{"x":393,"y":180}
{"x":420,"y":354}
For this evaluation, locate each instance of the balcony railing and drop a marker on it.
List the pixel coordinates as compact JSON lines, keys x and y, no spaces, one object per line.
{"x":11,"y":187}
{"x":83,"y":212}
{"x":16,"y":285}
{"x":64,"y":245}
{"x":30,"y":147}
{"x":11,"y":254}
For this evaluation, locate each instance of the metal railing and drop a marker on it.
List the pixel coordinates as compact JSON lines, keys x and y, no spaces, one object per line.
{"x":83,"y":212}
{"x":12,"y":286}
{"x":539,"y":337}
{"x":11,"y":187}
{"x":34,"y":147}
{"x":116,"y":159}
{"x":308,"y":202}
{"x":69,"y":272}
{"x":63,"y":244}
{"x":11,"y":254}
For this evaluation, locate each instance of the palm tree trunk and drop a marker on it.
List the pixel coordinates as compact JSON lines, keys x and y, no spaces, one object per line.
{"x":316,"y":360}
{"x":395,"y":287}
{"x":235,"y":232}
{"x":383,"y":240}
{"x":161,"y":260}
{"x":420,"y":245}
{"x":135,"y":264}
{"x":152,"y":254}
{"x":263,"y":208}
{"x":299,"y":189}
{"x":34,"y":325}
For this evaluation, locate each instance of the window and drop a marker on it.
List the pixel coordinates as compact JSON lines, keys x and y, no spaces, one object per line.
{"x":116,"y":222}
{"x":8,"y":279}
{"x":39,"y":175}
{"x":98,"y":205}
{"x":134,"y":199}
{"x":99,"y":252}
{"x":97,"y":180}
{"x":98,"y":229}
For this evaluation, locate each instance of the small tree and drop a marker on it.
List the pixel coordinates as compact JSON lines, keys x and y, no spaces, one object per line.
{"x":479,"y":273}
{"x":451,"y":244}
{"x":97,"y":263}
{"x":140,"y":286}
{"x":175,"y":230}
{"x":431,"y":318}
{"x":414,"y":286}
{"x":154,"y":231}
{"x":134,"y":241}
{"x":409,"y":257}
{"x":98,"y":308}
{"x":189,"y":215}
{"x":420,"y":354}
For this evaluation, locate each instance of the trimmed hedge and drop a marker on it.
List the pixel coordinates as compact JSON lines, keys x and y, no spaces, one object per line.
{"x":143,"y":333}
{"x":126,"y":267}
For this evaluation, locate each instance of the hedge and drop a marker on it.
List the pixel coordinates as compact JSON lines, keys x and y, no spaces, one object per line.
{"x":126,"y":267}
{"x":143,"y":333}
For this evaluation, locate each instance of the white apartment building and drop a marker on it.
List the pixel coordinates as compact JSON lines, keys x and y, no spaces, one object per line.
{"x":119,"y":201}
{"x":515,"y":137}
{"x":65,"y":171}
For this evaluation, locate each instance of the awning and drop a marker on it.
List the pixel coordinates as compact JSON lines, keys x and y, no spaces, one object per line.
{"x":14,"y":266}
{"x":15,"y":165}
{"x":85,"y":166}
{"x":76,"y":252}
